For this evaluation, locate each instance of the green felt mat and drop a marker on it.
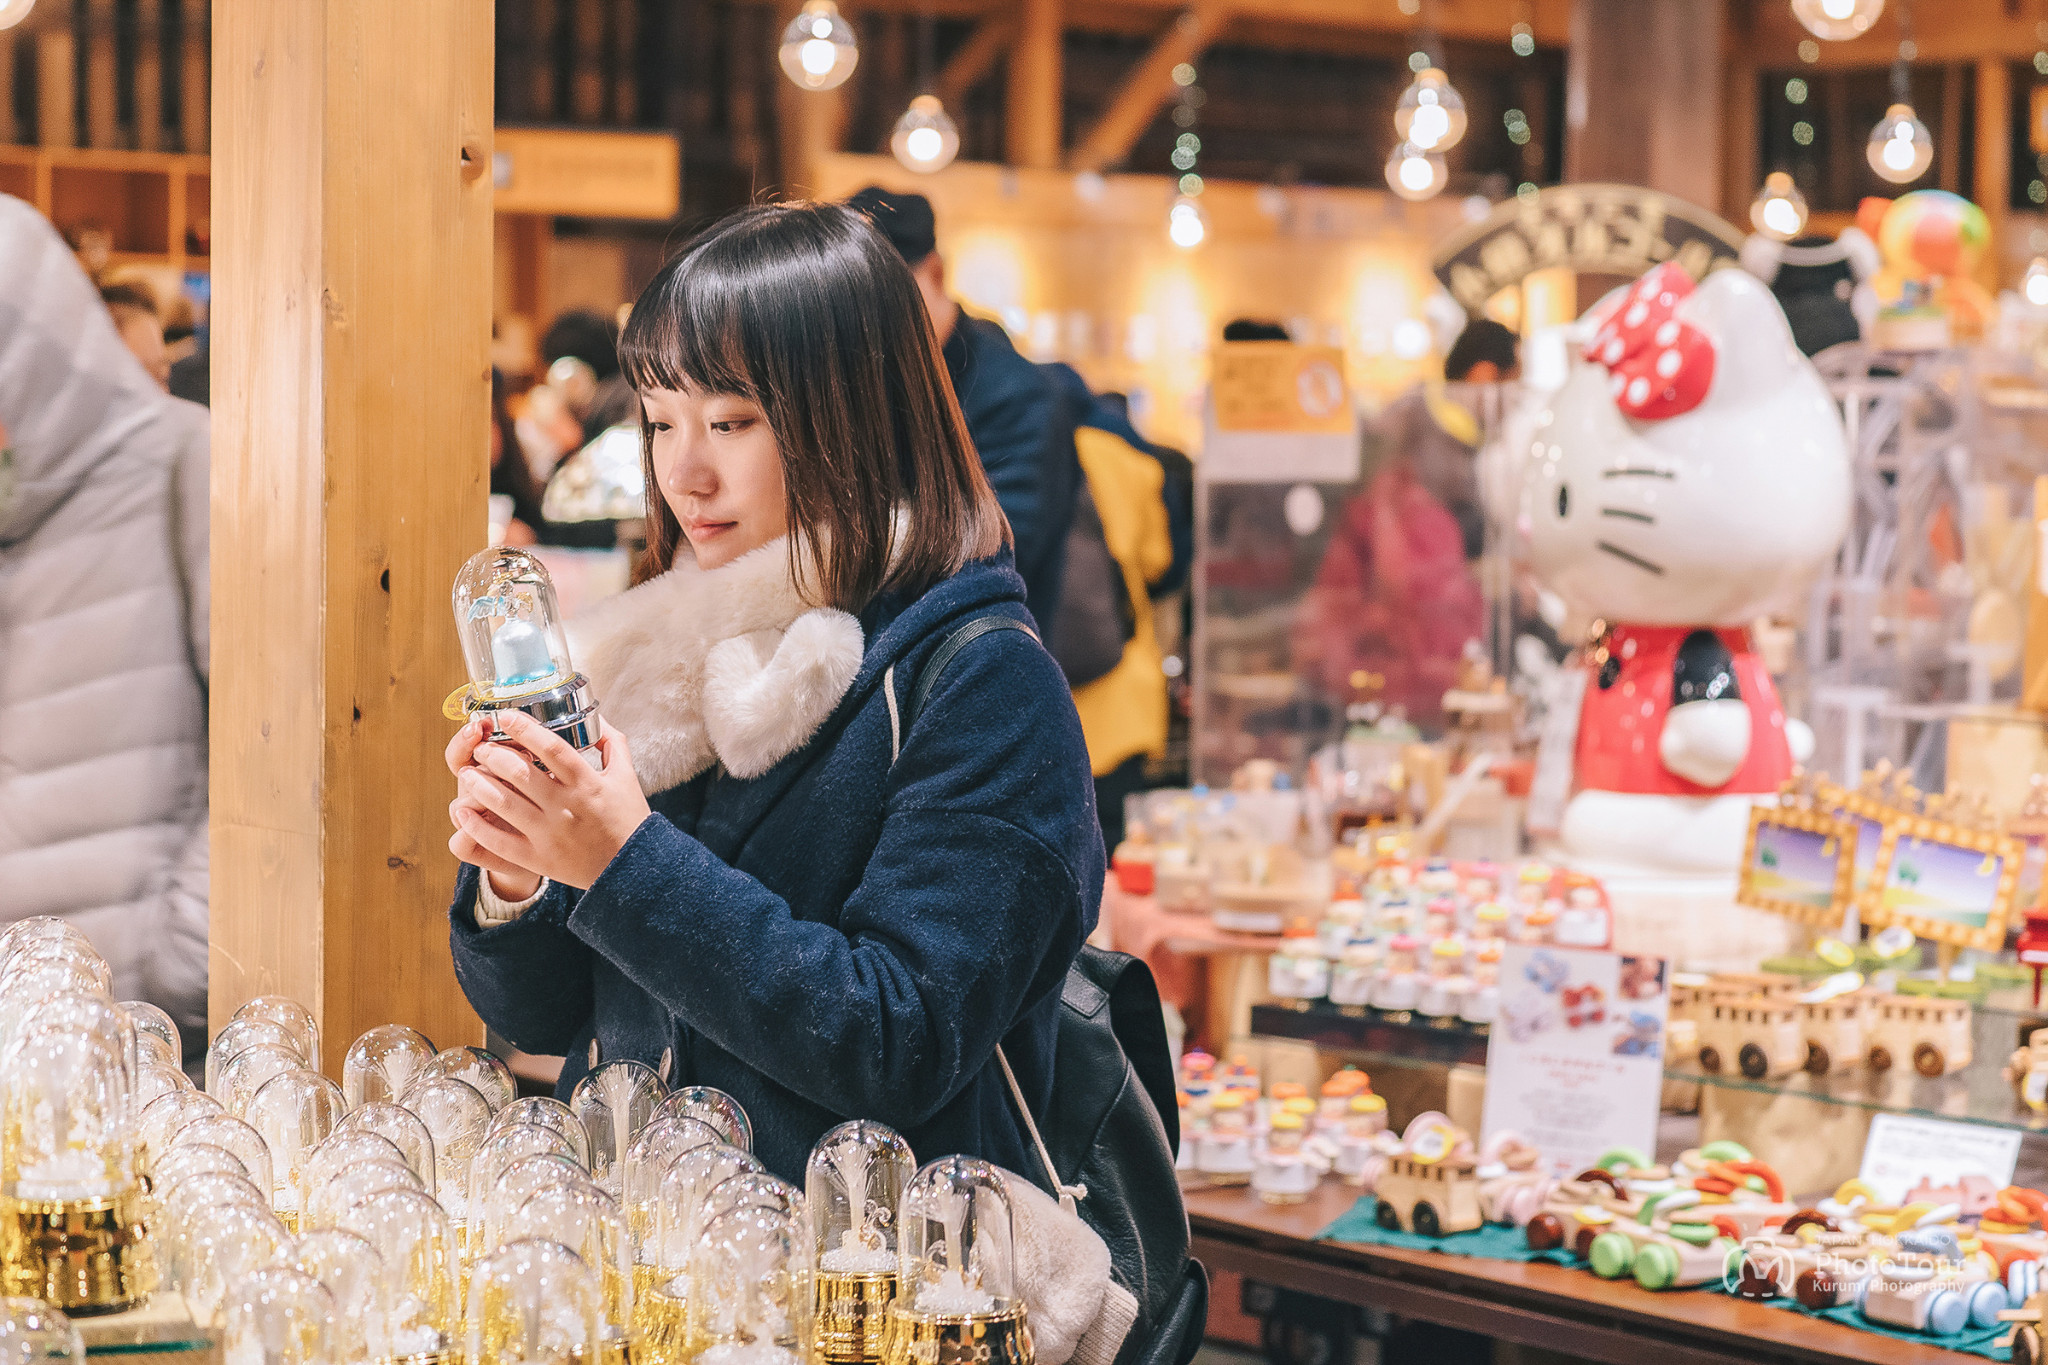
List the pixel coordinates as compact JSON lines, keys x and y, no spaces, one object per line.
{"x":1495,"y":1242}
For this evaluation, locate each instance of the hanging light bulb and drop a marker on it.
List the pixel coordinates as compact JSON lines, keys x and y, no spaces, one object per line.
{"x":818,"y":50}
{"x":1186,"y":224}
{"x":13,"y":12}
{"x":1431,"y":114}
{"x":1779,"y":210}
{"x":1837,"y":20}
{"x":1900,"y":148}
{"x":1416,"y":172}
{"x":2034,"y":288}
{"x":925,"y":138}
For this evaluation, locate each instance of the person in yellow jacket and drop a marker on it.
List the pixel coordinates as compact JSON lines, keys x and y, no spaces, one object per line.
{"x":1124,"y":712}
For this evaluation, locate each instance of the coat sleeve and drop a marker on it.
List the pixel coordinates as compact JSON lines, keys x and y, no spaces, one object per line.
{"x":985,"y":880}
{"x":530,"y":979}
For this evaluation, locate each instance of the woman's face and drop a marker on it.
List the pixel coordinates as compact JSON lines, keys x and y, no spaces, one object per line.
{"x":719,"y":470}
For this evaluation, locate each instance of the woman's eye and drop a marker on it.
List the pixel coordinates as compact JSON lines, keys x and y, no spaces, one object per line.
{"x":657,"y":426}
{"x":732,"y":424}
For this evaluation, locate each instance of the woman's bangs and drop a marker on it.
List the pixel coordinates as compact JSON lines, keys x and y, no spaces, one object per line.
{"x":684,"y":334}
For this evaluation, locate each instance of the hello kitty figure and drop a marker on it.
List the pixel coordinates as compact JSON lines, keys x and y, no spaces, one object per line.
{"x":1688,"y":477}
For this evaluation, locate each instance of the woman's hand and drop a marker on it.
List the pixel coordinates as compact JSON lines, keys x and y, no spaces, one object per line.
{"x":508,"y":882}
{"x":562,"y":819}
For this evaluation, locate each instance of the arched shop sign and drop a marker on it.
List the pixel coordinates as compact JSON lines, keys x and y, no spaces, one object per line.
{"x":1588,"y":229}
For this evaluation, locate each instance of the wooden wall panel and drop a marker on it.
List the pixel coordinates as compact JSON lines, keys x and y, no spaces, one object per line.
{"x":351,"y":406}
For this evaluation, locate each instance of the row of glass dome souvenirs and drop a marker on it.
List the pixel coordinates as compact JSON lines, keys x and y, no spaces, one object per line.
{"x":421,"y":1211}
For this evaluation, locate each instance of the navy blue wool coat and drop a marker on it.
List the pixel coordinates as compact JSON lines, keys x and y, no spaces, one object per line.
{"x":840,"y":938}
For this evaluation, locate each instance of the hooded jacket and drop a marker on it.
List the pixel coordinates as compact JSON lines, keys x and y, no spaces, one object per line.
{"x":103,"y":632}
{"x":838,"y":936}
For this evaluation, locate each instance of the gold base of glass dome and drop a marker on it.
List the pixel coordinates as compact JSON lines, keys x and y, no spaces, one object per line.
{"x":853,"y":1316}
{"x":84,"y":1256}
{"x":959,"y":1339}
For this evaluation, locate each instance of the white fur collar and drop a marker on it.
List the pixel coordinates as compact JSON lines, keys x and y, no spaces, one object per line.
{"x":728,"y":664}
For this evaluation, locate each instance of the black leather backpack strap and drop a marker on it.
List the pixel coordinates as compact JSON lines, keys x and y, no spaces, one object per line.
{"x":949,"y":648}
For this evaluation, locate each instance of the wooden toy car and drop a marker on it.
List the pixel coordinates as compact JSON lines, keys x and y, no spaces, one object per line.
{"x":1930,"y":1033}
{"x":1577,"y":1211}
{"x":1927,"y":1297}
{"x":1661,"y":1254}
{"x":1736,"y":985}
{"x":1756,"y":1035}
{"x":1834,"y":1031}
{"x":1430,"y":1198}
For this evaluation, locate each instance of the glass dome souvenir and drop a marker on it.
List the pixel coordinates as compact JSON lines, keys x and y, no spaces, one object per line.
{"x":251,"y":1070}
{"x":221,"y":1244}
{"x":415,"y":1244}
{"x":517,"y":1183}
{"x":545,"y":1111}
{"x":647,"y":1161}
{"x":188,"y":1159}
{"x":712,"y":1106}
{"x":295,"y":1112}
{"x":327,"y":1204}
{"x":499,"y":1150}
{"x":853,"y":1184}
{"x":34,"y":928}
{"x":614,"y":1103}
{"x":295,"y":1018}
{"x":71,"y":1200}
{"x":151,"y":1022}
{"x":382,"y":1063}
{"x":534,"y":1301}
{"x":586,"y":1220}
{"x":456,"y":1118}
{"x":33,"y":1333}
{"x":482,"y":1071}
{"x":346,"y":1148}
{"x":232,"y":1135}
{"x":164,"y":1116}
{"x":402,"y":1128}
{"x":353,"y":1273}
{"x":958,"y":1298}
{"x":760,"y":1314}
{"x":26,"y":989}
{"x":664,"y":1303}
{"x":513,"y":643}
{"x":279,"y":1316}
{"x":237,"y":1037}
{"x":753,"y":1190}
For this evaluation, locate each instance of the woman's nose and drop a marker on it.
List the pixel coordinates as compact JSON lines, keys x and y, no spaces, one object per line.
{"x":689,"y":473}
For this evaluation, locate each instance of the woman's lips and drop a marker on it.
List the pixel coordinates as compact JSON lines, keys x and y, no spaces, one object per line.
{"x":704,"y":530}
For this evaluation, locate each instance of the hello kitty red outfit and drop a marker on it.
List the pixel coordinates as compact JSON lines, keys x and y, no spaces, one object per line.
{"x":1622,"y":723}
{"x":1660,"y":366}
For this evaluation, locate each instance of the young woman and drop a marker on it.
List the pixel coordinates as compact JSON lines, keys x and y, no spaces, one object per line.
{"x":826,"y":907}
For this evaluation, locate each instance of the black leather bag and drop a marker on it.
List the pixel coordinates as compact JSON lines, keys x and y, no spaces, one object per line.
{"x":1113,"y":1124}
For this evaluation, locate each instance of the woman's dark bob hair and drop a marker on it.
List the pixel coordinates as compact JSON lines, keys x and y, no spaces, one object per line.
{"x":806,"y":310}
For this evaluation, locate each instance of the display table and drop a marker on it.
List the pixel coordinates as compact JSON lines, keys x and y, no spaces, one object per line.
{"x":1188,"y":953}
{"x":1533,"y":1304}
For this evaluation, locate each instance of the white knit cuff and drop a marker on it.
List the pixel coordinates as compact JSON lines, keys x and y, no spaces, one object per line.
{"x":493,"y":910}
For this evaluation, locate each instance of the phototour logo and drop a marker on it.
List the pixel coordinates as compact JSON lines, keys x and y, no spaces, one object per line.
{"x":1766,"y":1264}
{"x":1758,"y":1265}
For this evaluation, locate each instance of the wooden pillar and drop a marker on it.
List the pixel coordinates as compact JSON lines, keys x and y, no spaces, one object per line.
{"x":1741,"y":175}
{"x":1992,"y":181}
{"x":149,"y":80}
{"x":351,"y":409}
{"x":195,"y":103}
{"x":1035,"y":95}
{"x":1643,"y":91}
{"x":101,"y":114}
{"x":57,"y":77}
{"x":10,"y":132}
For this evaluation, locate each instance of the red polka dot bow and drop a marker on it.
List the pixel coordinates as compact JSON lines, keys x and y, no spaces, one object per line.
{"x":1658,"y":366}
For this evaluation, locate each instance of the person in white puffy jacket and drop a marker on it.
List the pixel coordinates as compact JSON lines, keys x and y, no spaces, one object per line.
{"x":103,"y":632}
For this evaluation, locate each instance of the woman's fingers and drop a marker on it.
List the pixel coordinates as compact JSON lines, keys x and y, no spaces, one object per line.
{"x":469,"y":851}
{"x":547,"y":748}
{"x":463,"y":747}
{"x":494,"y":838}
{"x":502,"y":783}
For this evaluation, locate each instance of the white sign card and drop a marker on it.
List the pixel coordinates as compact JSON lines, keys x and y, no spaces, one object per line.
{"x":1902,"y":1153}
{"x":1575,"y":1063}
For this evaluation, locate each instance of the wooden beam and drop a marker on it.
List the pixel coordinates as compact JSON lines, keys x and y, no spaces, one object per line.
{"x":1951,"y":31}
{"x":57,"y":77}
{"x":1992,"y":187}
{"x":1457,"y":20}
{"x":1035,"y":95}
{"x":351,"y":410}
{"x":1643,"y":91}
{"x":100,"y":82}
{"x":149,"y":79}
{"x":10,"y":133}
{"x":195,"y":82}
{"x":1148,"y":87}
{"x":973,"y":59}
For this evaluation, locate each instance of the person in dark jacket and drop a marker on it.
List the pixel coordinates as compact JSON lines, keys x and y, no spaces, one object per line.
{"x":1020,"y":421}
{"x":787,"y":886}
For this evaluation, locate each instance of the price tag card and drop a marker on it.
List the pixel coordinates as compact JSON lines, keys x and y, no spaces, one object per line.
{"x":1575,"y":1063}
{"x":1910,"y":1159}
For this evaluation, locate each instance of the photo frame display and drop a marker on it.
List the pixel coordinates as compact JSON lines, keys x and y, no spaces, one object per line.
{"x":1946,"y":882}
{"x":1866,"y":815}
{"x":1799,"y":862}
